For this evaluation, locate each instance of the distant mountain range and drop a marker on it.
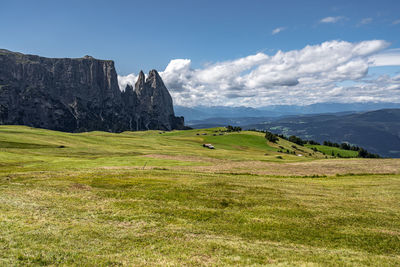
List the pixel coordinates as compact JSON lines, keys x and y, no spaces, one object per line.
{"x":204,"y":112}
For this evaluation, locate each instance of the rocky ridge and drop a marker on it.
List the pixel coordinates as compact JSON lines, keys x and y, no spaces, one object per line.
{"x":80,"y":94}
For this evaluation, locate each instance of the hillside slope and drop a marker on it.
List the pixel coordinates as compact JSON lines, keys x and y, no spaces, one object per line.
{"x":33,"y":149}
{"x":377,"y":131}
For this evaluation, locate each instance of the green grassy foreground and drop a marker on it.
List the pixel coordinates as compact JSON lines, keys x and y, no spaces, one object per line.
{"x":145,"y":198}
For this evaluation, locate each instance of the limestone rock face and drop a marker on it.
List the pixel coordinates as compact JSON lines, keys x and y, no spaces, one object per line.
{"x":80,"y":94}
{"x":155,"y":103}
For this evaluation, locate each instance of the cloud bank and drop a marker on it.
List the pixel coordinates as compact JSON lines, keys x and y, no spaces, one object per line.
{"x":331,"y":19}
{"x":316,"y":73}
{"x":390,"y":57}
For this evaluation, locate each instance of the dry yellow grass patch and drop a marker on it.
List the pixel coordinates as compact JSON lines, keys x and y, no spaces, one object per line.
{"x":317,"y":167}
{"x":177,"y":157}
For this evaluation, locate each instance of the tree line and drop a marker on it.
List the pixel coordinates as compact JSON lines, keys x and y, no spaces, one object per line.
{"x":231,"y":128}
{"x":362,"y":153}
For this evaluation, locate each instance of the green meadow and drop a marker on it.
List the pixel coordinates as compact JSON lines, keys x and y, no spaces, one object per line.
{"x":335,"y":151}
{"x":161,"y":199}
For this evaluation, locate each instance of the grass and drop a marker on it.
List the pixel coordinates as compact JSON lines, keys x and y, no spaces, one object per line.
{"x":146,"y":198}
{"x":335,"y":151}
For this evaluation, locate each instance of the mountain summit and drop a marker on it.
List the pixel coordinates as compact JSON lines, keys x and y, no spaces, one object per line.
{"x":80,"y":94}
{"x":155,"y":102}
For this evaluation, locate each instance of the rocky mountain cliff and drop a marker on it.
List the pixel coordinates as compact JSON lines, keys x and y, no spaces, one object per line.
{"x":80,"y":94}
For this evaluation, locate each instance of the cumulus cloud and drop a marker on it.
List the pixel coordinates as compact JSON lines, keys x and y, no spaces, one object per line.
{"x":331,"y":19}
{"x":278,"y":30}
{"x":391,"y":57}
{"x":396,"y":22}
{"x":309,"y":75}
{"x":123,"y":81}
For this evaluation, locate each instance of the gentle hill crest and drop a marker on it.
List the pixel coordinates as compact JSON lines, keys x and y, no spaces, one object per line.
{"x":32,"y":149}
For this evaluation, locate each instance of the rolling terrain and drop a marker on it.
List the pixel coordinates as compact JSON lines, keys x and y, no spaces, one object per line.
{"x":161,"y":198}
{"x":378,"y":131}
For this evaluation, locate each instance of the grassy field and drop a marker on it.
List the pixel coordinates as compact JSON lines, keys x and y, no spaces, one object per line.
{"x":151,"y":198}
{"x":335,"y":151}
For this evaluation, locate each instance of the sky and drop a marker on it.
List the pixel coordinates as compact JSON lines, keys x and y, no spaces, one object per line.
{"x":230,"y":53}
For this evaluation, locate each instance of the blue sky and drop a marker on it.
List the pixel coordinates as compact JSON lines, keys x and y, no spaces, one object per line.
{"x":149,"y":34}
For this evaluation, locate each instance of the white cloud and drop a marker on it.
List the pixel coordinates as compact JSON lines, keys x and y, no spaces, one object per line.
{"x":389,"y":57}
{"x":123,"y":81}
{"x":365,"y":21}
{"x":396,"y":22}
{"x":309,"y":75}
{"x":278,"y":30}
{"x":331,"y":19}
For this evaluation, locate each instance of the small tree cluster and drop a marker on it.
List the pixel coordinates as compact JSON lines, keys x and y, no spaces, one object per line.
{"x":256,"y":130}
{"x":296,"y":140}
{"x":287,"y":151}
{"x":231,"y":128}
{"x":271,"y":137}
{"x":362,"y":153}
{"x":344,"y":146}
{"x":329,"y":143}
{"x":282,"y":136}
{"x":312,"y":142}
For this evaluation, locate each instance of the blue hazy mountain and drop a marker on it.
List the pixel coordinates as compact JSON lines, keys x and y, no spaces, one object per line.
{"x":205,"y":112}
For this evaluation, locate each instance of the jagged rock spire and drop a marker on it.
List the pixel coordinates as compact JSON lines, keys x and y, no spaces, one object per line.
{"x":154,"y":79}
{"x":140,"y":81}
